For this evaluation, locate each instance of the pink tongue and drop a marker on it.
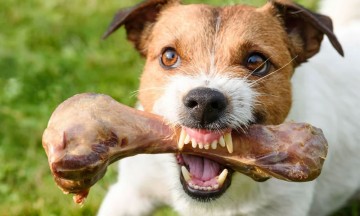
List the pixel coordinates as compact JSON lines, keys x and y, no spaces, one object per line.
{"x":201,"y":168}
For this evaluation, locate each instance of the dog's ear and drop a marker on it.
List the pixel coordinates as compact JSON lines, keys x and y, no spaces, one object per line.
{"x":305,"y":28}
{"x":137,"y":19}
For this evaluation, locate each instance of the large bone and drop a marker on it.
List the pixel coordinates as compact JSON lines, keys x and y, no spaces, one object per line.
{"x":88,"y":132}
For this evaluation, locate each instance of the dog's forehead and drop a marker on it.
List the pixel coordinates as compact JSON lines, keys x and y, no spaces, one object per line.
{"x":200,"y":21}
{"x":182,"y":24}
{"x":200,"y":28}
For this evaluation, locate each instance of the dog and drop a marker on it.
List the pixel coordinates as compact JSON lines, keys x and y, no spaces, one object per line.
{"x":213,"y":70}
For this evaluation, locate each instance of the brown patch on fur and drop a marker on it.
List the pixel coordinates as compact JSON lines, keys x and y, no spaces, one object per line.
{"x":191,"y":30}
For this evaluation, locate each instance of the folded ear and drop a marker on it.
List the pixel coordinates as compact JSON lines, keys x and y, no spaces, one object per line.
{"x":305,"y":29}
{"x":137,"y":20}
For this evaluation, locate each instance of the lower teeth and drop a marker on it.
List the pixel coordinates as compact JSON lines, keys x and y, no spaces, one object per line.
{"x":196,"y":187}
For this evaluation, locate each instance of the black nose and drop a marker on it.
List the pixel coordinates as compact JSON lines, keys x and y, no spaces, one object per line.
{"x":205,"y":105}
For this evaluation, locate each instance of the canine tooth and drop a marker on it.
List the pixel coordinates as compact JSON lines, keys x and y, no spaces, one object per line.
{"x":193,"y":143}
{"x":180,"y":145}
{"x":187,"y":139}
{"x":222,"y":141}
{"x":207,"y":146}
{"x":185,"y":173}
{"x":209,"y":188}
{"x":201,"y":146}
{"x":229,"y":143}
{"x":222,"y":177}
{"x":181,"y":139}
{"x":216,"y":186}
{"x":214,"y":144}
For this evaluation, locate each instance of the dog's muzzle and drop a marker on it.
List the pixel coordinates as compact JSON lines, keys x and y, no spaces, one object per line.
{"x":203,"y":126}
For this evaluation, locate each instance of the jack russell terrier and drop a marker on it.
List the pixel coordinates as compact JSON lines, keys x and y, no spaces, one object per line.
{"x":212,"y":70}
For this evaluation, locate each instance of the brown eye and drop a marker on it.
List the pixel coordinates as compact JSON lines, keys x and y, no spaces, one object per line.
{"x":257,"y":64}
{"x":169,"y":58}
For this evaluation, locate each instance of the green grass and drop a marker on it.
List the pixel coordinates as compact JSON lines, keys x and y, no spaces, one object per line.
{"x":49,"y":51}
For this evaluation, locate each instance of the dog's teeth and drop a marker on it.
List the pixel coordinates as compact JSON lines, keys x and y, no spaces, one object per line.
{"x":203,"y":188}
{"x":185,"y":173}
{"x":229,"y":143}
{"x":181,"y":139}
{"x":193,"y":143}
{"x":222,"y":141}
{"x":214,"y":144}
{"x":187,"y":139}
{"x":207,"y":146}
{"x":222,"y":177}
{"x":201,"y":146}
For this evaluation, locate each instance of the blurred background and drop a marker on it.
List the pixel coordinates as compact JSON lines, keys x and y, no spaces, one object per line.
{"x":49,"y":51}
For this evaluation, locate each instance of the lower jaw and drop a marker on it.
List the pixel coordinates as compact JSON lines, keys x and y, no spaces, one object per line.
{"x":200,"y":138}
{"x":206,"y":195}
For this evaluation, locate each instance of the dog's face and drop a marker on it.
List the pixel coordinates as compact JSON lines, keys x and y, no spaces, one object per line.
{"x":221,"y":68}
{"x":212,"y":71}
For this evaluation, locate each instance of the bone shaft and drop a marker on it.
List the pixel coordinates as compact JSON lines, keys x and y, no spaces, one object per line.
{"x":88,"y":132}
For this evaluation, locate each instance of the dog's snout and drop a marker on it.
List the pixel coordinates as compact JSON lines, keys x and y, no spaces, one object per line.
{"x":205,"y":105}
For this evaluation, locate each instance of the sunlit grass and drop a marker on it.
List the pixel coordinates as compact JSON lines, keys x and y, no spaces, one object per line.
{"x":49,"y":51}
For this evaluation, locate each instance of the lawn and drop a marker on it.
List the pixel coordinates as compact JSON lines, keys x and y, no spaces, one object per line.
{"x":49,"y":51}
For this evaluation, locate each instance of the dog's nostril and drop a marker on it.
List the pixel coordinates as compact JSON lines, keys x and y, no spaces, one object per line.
{"x":205,"y":105}
{"x":218,"y":105}
{"x":191,"y":103}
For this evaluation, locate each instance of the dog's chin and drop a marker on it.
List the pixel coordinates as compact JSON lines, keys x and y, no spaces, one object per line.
{"x":202,"y":178}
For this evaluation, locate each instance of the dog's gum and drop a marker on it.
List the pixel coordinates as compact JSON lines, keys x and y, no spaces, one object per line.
{"x":95,"y":126}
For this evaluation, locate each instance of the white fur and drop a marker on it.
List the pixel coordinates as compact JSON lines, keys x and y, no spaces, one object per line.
{"x":241,"y":97}
{"x":326,"y":94}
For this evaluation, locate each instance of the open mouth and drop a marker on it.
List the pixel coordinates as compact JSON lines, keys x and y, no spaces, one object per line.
{"x":204,"y":179}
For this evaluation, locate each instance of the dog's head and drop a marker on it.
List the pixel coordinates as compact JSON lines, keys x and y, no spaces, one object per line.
{"x":214,"y":70}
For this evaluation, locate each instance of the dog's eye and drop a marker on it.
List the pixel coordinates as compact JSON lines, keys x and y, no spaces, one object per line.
{"x":257,"y":64}
{"x":169,"y":58}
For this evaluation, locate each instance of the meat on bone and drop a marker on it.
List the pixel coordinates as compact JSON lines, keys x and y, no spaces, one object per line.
{"x":88,"y":132}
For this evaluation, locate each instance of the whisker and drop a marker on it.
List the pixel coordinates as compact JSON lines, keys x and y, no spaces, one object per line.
{"x":262,"y":78}
{"x":147,"y":89}
{"x":134,"y":93}
{"x":270,"y":95}
{"x":247,"y":77}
